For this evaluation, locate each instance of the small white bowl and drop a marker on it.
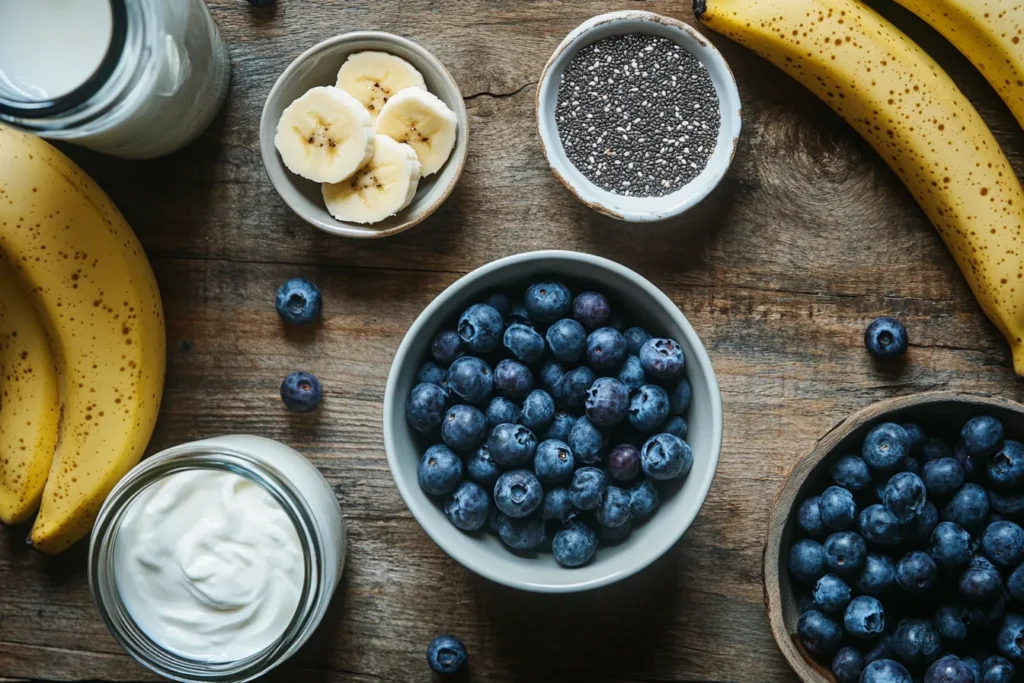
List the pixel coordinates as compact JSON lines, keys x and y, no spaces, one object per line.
{"x":319,"y":66}
{"x":638,"y":209}
{"x":484,"y":553}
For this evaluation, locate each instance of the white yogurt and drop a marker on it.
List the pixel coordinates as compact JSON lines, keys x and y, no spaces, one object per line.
{"x":209,"y":565}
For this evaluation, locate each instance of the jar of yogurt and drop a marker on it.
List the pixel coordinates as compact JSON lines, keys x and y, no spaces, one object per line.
{"x":216,"y":560}
{"x":132,"y":78}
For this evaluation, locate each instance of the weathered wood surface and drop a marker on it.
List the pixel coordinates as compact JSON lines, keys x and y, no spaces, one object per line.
{"x":808,"y":238}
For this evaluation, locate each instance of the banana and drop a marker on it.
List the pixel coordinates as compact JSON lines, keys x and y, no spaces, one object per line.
{"x":990,"y":33}
{"x":916,"y":118}
{"x":86,"y":274}
{"x":325,"y":135}
{"x":380,"y":189}
{"x":422,"y":120}
{"x":29,"y":404}
{"x":374,"y":77}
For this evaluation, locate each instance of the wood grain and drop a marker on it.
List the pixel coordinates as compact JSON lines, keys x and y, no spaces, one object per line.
{"x":779,"y":270}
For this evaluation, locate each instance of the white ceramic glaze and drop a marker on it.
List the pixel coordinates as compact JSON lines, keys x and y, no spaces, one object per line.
{"x":638,"y":209}
{"x":484,"y":553}
{"x":319,"y":66}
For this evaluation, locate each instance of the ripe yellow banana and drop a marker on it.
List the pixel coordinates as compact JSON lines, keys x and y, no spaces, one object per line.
{"x":915,"y":117}
{"x":87,"y":276}
{"x":28,"y":402}
{"x":990,"y":33}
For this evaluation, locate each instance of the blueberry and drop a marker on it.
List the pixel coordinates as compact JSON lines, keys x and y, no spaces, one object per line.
{"x":587,"y":488}
{"x":610,"y":535}
{"x":1011,"y":638}
{"x":482,"y":469}
{"x":942,"y":476}
{"x":885,"y":446}
{"x":261,"y":4}
{"x":980,"y":584}
{"x":666,"y":457}
{"x":636,"y":337}
{"x":432,"y":373}
{"x":606,"y":349}
{"x":546,"y":302}
{"x":881,"y":650}
{"x":949,"y":669}
{"x":551,"y":374}
{"x":831,"y":594}
{"x":574,"y":544}
{"x":557,"y":506}
{"x":631,"y":373}
{"x":922,"y":526}
{"x":916,"y":641}
{"x":648,"y":408}
{"x":614,"y":509}
{"x":512,"y":445}
{"x":571,"y":391}
{"x":934,"y":449}
{"x":425,"y":408}
{"x":972,"y":464}
{"x":662,"y":358}
{"x":608,"y":402}
{"x":912,"y":465}
{"x":553,"y":462}
{"x":468,"y":507}
{"x":886,"y":339}
{"x":1006,"y":467}
{"x":523,"y":342}
{"x":996,"y":669}
{"x":878,"y":576}
{"x":819,"y":634}
{"x":1015,"y":583}
{"x":446,"y":655}
{"x":521,"y":534}
{"x":837,"y":508}
{"x":851,"y":472}
{"x":950,"y":546}
{"x":586,"y":441}
{"x":591,"y":309}
{"x":440,"y":470}
{"x":904,"y":496}
{"x":807,"y":560}
{"x":847,"y":665}
{"x":845,"y":553}
{"x":644,"y":500}
{"x":561,"y":426}
{"x":518,"y":315}
{"x":676,"y":426}
{"x":949,"y":622}
{"x":1003,"y":543}
{"x":538,"y":411}
{"x":517,"y":493}
{"x":513,"y":379}
{"x":501,"y":410}
{"x":972,"y":664}
{"x":982,"y":435}
{"x":624,"y":462}
{"x":864,"y":617}
{"x":885,"y":671}
{"x":301,"y":392}
{"x":463,"y":428}
{"x":480,"y":328}
{"x":567,"y":340}
{"x":881,"y":528}
{"x":298,"y":302}
{"x":471,"y":379}
{"x":1006,"y":503}
{"x":446,"y":347}
{"x":500,"y":301}
{"x":968,"y":508}
{"x":916,"y":438}
{"x":679,"y":397}
{"x":916,"y":572}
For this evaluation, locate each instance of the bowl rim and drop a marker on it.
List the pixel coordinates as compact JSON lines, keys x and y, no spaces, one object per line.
{"x":460,"y":151}
{"x":699,"y":357}
{"x":807,"y":669}
{"x":710,"y":54}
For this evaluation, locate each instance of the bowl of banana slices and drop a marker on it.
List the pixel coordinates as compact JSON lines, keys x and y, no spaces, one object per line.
{"x":364,"y":134}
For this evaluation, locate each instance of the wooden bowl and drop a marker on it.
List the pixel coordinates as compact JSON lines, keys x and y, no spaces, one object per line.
{"x":939,"y":413}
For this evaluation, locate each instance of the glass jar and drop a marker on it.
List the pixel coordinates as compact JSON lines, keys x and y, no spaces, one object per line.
{"x":159,"y":85}
{"x":303,"y":494}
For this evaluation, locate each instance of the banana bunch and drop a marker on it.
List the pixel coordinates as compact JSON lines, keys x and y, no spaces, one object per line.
{"x":81,"y":316}
{"x":915,"y":117}
{"x":369,"y":138}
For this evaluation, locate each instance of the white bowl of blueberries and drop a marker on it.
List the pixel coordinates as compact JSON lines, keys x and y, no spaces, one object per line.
{"x":552,"y":421}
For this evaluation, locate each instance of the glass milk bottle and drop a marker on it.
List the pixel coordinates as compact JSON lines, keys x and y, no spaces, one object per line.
{"x":132,"y":78}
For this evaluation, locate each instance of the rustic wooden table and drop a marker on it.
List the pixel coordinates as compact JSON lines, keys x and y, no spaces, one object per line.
{"x":808,"y":238}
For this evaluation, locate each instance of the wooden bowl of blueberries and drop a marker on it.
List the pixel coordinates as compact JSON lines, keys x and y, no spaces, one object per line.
{"x":895,"y":551}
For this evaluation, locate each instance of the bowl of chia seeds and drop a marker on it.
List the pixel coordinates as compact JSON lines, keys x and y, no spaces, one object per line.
{"x":638,"y":115}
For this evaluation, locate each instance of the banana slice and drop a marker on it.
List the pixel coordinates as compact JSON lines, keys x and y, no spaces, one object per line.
{"x":382,"y":188}
{"x":422,"y":120}
{"x":325,"y":135}
{"x":374,"y":77}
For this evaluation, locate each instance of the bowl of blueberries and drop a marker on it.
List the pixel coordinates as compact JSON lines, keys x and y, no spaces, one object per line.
{"x":895,"y":551}
{"x":552,"y":421}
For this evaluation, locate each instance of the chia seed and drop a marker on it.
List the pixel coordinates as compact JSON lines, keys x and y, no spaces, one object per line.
{"x":637,"y":115}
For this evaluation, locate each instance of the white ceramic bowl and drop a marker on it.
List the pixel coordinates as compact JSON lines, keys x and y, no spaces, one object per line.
{"x":638,"y":209}
{"x":484,"y":553}
{"x":319,"y":66}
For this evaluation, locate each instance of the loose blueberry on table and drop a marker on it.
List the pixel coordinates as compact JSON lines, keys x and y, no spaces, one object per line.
{"x":909,"y":565}
{"x":301,"y":392}
{"x":546,"y":424}
{"x":446,"y":655}
{"x":298,"y":302}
